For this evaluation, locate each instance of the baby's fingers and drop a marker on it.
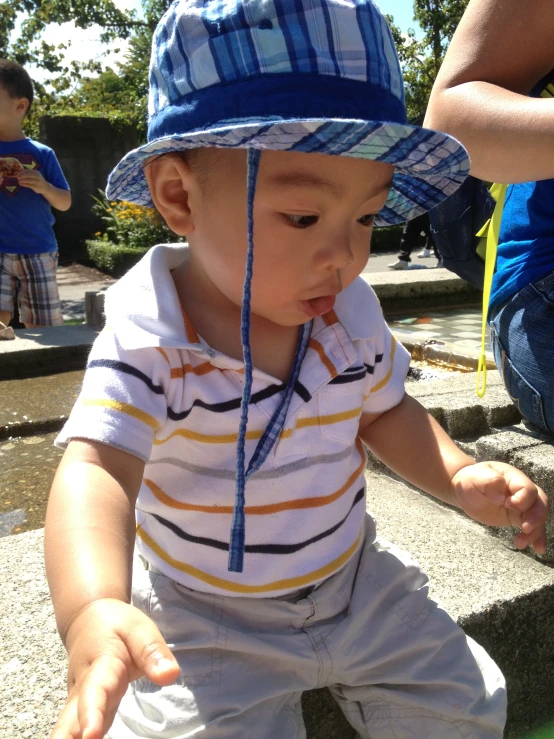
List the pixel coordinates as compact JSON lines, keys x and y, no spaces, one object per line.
{"x":99,"y":696}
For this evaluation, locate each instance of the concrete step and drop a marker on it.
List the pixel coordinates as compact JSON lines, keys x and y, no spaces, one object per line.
{"x":502,"y":598}
{"x":45,"y":351}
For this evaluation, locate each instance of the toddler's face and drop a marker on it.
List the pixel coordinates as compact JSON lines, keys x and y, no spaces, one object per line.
{"x":11,"y":108}
{"x":313,"y":218}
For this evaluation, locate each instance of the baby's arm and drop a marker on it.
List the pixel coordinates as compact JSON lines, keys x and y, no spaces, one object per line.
{"x":412,"y":444}
{"x":89,"y":538}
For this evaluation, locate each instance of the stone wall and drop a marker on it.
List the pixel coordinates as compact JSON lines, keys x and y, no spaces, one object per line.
{"x":87,"y":149}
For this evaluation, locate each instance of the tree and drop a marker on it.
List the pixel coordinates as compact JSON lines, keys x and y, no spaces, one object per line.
{"x":421,"y":59}
{"x":82,"y":87}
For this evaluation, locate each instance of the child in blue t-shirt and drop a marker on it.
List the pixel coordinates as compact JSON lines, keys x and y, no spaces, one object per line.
{"x":31,"y":181}
{"x":221,"y":426}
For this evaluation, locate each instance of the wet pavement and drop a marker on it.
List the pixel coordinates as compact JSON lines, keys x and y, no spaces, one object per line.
{"x":28,"y":465}
{"x":37,"y":404}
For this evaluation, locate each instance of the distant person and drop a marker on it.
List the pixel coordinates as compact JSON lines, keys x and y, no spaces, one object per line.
{"x":31,"y":181}
{"x":417,"y":233}
{"x":495,"y":94}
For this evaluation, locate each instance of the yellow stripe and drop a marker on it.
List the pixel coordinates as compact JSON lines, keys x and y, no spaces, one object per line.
{"x":290,"y":583}
{"x":387,"y":377}
{"x":330,"y":318}
{"x":253,"y":435}
{"x":130,"y":410}
{"x":164,"y":355}
{"x":264,"y":510}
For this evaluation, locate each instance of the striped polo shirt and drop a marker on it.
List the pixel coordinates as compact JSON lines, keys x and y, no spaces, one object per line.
{"x":155,"y":389}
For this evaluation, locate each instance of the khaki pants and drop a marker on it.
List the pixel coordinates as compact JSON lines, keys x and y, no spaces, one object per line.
{"x":397,"y":664}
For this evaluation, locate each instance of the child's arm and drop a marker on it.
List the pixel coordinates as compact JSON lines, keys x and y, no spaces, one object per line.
{"x":56,"y":196}
{"x":89,"y":538}
{"x":412,"y":444}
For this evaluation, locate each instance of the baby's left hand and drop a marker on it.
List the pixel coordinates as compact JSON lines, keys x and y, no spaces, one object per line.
{"x":33,"y":179}
{"x":498,"y":494}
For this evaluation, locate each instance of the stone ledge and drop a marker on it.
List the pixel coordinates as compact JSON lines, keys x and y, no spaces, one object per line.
{"x":45,"y":351}
{"x":503,"y":599}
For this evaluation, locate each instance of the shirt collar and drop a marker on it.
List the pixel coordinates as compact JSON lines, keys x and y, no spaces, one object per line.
{"x":144,"y":310}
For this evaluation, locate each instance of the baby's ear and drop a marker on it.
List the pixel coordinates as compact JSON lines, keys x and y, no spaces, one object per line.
{"x":170,"y":181}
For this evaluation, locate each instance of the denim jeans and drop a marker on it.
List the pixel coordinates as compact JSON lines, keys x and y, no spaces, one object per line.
{"x":522,"y":336}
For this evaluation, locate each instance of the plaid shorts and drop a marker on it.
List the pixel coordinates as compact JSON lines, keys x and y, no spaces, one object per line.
{"x":33,"y":278}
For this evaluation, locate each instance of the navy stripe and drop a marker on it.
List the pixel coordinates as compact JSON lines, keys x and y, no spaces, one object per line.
{"x":307,"y":44}
{"x":344,"y":379}
{"x":226,"y":405}
{"x":128,"y":370}
{"x":285,"y":25}
{"x":185,"y":58}
{"x":330,"y":38}
{"x":249,"y":40}
{"x":302,"y":391}
{"x":258,"y":548}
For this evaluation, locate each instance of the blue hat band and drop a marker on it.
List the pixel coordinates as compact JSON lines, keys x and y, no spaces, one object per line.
{"x":299,"y":97}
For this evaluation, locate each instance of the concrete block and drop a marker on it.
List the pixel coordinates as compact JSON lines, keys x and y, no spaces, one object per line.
{"x":45,"y":351}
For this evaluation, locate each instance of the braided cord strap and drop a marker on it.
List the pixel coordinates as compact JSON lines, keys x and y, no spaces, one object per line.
{"x":236,"y":545}
{"x":276,"y":423}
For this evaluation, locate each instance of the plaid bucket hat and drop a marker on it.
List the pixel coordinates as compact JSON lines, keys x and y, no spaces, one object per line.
{"x":318,"y":76}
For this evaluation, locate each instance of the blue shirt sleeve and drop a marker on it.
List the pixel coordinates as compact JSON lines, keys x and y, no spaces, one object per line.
{"x":53,"y":172}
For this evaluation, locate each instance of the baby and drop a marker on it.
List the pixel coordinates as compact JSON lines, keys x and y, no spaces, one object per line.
{"x":223,"y":417}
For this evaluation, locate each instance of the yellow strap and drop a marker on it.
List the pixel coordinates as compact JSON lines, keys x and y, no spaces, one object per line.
{"x":493,"y":232}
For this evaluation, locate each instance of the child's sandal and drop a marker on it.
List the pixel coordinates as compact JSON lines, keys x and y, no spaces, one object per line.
{"x":6,"y":332}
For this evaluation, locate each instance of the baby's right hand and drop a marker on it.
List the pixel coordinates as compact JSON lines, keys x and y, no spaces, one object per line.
{"x":109,"y":644}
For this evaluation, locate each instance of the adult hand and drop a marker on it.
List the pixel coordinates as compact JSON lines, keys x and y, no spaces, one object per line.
{"x":109,"y":644}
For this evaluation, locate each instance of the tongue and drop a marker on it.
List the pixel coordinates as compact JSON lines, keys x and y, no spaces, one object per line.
{"x":322,"y":305}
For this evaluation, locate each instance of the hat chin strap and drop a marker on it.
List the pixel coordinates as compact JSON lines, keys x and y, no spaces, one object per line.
{"x":236,"y":544}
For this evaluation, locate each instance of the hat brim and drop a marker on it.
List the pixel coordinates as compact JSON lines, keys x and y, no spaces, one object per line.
{"x":429,"y":165}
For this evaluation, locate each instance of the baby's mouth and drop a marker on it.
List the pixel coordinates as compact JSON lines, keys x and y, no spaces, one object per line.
{"x":318,"y":306}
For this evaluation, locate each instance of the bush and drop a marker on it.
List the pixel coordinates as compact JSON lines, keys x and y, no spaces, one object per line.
{"x":113,"y":259}
{"x":386,"y":238}
{"x":130,"y":225}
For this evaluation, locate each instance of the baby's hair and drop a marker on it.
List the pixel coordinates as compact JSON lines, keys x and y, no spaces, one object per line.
{"x":16,"y":81}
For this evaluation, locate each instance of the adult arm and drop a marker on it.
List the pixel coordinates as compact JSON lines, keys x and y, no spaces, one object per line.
{"x":500,"y":50}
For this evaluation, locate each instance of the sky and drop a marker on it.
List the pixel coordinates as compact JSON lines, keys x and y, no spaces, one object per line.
{"x":85,"y":43}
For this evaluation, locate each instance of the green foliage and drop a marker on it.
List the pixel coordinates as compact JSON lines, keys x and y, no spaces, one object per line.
{"x":386,"y":238}
{"x":421,"y":59}
{"x":83,"y":88}
{"x":113,"y":259}
{"x":132,"y":226}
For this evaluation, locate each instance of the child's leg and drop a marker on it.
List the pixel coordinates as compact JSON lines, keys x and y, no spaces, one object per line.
{"x":7,"y":288}
{"x":401,"y":666}
{"x":39,"y":300}
{"x":244,"y":665}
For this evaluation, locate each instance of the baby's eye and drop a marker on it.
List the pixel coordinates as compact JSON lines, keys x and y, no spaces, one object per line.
{"x":301,"y":221}
{"x":367,"y":220}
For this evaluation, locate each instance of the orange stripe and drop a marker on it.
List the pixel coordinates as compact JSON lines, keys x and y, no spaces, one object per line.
{"x":290,"y":583}
{"x":313,"y":344}
{"x":190,"y":331}
{"x":164,"y":355}
{"x":253,"y":435}
{"x":199,"y":369}
{"x":330,"y":318}
{"x":264,"y":510}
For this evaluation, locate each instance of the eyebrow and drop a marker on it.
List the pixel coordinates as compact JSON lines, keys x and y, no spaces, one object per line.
{"x":305,"y":179}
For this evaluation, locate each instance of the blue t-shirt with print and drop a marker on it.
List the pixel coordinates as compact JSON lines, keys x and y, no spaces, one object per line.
{"x":26,"y":217}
